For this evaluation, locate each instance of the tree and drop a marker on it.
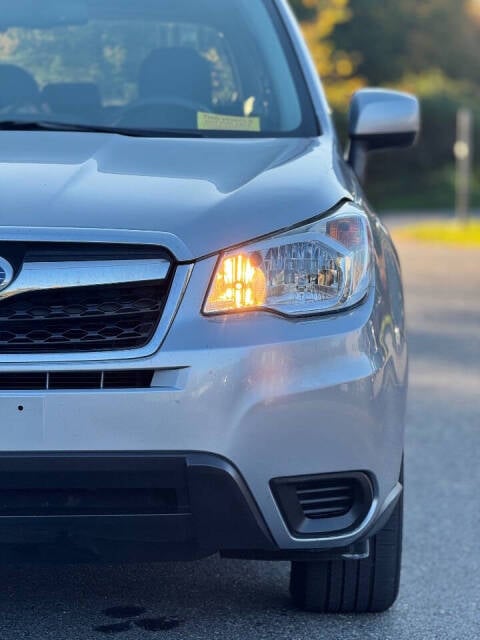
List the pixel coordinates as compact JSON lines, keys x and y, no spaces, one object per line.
{"x":429,"y":47}
{"x":319,"y":19}
{"x":392,"y":38}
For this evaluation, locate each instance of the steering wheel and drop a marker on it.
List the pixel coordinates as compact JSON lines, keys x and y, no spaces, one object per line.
{"x":149,"y":104}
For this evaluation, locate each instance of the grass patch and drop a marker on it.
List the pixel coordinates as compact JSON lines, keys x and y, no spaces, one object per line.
{"x":448,"y":232}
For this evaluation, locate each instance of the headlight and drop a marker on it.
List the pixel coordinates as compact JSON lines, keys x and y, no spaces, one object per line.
{"x":321,"y":267}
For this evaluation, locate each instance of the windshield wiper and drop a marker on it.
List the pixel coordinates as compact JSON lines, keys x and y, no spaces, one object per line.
{"x":48,"y":125}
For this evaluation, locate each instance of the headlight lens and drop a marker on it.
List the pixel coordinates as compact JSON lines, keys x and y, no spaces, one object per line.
{"x":321,"y":267}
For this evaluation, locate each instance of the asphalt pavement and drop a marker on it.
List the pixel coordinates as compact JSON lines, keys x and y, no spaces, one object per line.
{"x":230,"y":600}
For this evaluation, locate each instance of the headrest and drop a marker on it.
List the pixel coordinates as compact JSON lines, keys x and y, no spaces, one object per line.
{"x":17,"y":86}
{"x":176,"y":72}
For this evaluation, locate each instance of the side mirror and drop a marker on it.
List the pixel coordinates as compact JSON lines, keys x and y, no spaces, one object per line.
{"x":380,"y":119}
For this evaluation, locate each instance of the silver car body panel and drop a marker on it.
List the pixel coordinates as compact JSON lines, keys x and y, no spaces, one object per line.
{"x":199,"y":196}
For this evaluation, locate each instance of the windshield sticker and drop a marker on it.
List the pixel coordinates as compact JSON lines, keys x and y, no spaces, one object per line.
{"x":215,"y":122}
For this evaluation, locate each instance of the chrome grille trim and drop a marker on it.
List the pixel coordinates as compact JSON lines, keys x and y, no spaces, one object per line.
{"x":45,"y":276}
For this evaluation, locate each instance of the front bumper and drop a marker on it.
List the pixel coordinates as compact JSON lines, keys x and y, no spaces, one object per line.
{"x":121,"y":507}
{"x":275,"y":398}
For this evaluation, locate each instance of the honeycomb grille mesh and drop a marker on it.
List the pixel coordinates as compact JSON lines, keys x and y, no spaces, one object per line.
{"x":99,"y":318}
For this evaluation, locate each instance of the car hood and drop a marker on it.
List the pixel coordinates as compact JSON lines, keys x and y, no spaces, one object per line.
{"x":196,"y":196}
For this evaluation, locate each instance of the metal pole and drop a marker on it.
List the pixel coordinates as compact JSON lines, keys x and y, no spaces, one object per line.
{"x":464,"y":155}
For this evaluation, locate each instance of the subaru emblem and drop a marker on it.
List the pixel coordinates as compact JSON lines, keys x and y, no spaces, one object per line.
{"x":6,"y":273}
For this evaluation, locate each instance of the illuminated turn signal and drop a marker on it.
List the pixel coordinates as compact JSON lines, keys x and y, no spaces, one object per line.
{"x":239,"y":283}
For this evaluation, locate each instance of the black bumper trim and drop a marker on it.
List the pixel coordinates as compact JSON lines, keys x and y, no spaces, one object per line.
{"x":214,"y":510}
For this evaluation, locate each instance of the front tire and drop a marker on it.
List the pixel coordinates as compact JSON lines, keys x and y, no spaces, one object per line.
{"x":354,"y":586}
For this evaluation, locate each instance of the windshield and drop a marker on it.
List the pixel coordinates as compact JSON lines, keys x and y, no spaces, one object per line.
{"x":219,"y":67}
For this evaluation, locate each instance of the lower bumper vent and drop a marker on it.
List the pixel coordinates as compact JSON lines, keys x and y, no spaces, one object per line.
{"x":76,"y":380}
{"x":324,"y":504}
{"x":89,"y":486}
{"x":326,"y":499}
{"x":77,"y":501}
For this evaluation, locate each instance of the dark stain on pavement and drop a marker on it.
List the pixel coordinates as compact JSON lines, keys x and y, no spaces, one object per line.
{"x":111,"y":629}
{"x":157,"y":624}
{"x":130,"y":615}
{"x":124,"y":612}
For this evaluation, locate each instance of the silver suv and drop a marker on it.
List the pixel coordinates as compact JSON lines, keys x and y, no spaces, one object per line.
{"x":202,"y":341}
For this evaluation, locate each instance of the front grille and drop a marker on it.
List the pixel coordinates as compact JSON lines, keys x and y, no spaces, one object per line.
{"x":82,"y":297}
{"x":323,"y":504}
{"x":76,"y":380}
{"x":325,"y":499}
{"x":81,"y":319}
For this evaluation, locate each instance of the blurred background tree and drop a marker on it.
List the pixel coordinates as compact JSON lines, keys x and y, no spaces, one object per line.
{"x":320,"y":19}
{"x":430,"y":47}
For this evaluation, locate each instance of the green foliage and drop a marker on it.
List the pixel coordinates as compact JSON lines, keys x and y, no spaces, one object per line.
{"x":392,"y":37}
{"x":429,"y":47}
{"x":319,"y":20}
